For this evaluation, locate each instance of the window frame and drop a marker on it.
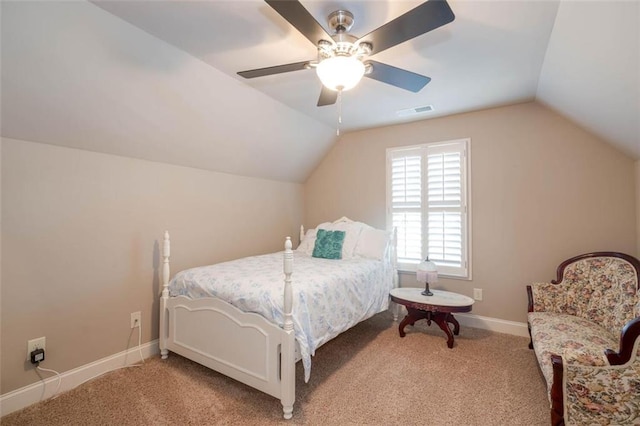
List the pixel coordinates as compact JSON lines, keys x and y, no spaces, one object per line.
{"x":463,"y":272}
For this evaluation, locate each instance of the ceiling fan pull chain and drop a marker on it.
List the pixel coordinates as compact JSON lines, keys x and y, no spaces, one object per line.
{"x":339,"y":112}
{"x":340,"y":106}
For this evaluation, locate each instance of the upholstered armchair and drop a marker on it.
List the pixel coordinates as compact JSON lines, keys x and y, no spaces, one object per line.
{"x":585,"y":328}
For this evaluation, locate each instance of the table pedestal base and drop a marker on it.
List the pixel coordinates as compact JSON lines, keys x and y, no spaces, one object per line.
{"x":443,"y":319}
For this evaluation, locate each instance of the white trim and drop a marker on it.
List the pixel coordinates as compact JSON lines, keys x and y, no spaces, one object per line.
{"x":493,"y":324}
{"x":487,"y":323}
{"x":468,"y":216}
{"x":39,"y":391}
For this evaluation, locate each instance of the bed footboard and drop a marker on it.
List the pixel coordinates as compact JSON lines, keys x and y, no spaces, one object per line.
{"x":240,"y":345}
{"x":243,"y":346}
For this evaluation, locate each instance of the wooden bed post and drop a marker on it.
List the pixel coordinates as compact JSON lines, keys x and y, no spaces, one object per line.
{"x":287,"y":364}
{"x":164,"y":325}
{"x":394,"y":256}
{"x":395,"y":308}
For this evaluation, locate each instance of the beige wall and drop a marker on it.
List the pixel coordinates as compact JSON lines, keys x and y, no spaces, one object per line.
{"x":543,"y":190}
{"x":0,"y":264}
{"x":638,"y":208}
{"x":80,"y":235}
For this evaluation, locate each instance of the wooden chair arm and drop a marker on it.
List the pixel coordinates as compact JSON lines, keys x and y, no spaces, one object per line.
{"x":630,"y":333}
{"x":529,"y":299}
{"x":628,"y":337}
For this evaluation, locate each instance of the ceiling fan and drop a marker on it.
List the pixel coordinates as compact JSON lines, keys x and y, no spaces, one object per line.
{"x":343,"y":59}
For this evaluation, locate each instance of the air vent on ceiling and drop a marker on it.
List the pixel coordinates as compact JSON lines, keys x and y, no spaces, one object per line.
{"x":415,"y":110}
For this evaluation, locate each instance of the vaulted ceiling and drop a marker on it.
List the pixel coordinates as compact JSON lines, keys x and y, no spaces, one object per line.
{"x":157,"y":79}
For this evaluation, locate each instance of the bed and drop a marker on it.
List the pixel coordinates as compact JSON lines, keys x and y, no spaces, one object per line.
{"x":252,"y":319}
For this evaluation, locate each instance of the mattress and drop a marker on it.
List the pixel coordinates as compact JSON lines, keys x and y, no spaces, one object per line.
{"x":329,"y":296}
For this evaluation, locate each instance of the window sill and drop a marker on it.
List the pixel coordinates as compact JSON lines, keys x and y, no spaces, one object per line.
{"x":448,"y":277}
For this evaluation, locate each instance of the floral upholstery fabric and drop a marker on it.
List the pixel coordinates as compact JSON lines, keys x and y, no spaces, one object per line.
{"x":578,"y":319}
{"x":601,"y":289}
{"x":577,"y":340}
{"x":607,"y":395}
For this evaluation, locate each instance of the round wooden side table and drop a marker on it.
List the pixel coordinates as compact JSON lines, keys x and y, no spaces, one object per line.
{"x":438,"y":308}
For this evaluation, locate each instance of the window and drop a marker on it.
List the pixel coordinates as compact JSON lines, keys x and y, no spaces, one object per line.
{"x":428,"y":204}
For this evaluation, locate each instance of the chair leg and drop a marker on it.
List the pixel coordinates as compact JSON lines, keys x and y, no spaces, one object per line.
{"x":557,"y":392}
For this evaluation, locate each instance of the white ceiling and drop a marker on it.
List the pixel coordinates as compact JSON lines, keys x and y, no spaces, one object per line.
{"x":76,"y":76}
{"x":157,"y":79}
{"x":591,"y":71}
{"x":490,"y":55}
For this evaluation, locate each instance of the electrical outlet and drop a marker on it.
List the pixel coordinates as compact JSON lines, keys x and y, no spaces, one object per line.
{"x":477,"y":293}
{"x":34,"y":344}
{"x":135,"y":319}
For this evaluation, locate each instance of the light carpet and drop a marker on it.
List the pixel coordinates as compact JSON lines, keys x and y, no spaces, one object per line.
{"x":366,"y":376}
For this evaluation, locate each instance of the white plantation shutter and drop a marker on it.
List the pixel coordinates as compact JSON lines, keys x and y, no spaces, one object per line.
{"x":428,"y":205}
{"x":446,"y":206}
{"x":406,"y":202}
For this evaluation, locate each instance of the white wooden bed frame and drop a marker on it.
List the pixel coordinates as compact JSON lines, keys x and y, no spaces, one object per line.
{"x":223,"y":338}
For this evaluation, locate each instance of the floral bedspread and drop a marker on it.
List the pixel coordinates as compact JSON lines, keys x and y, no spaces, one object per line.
{"x":329,"y":296}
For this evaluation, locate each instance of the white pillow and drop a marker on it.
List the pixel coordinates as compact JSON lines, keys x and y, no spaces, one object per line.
{"x":372,"y":243}
{"x":308,"y":242}
{"x":352,"y":233}
{"x":364,"y":225}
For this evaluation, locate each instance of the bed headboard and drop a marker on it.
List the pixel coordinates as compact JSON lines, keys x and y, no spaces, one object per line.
{"x":393,"y":249}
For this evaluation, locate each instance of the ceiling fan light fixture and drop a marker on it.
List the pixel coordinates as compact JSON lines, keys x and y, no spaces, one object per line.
{"x":340,"y":73}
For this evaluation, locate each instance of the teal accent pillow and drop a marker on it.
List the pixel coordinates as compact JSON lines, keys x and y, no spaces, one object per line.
{"x":328,"y":244}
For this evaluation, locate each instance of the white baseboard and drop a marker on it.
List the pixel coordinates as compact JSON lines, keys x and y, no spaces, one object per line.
{"x":36,"y":392}
{"x":485,"y":323}
{"x":493,"y":324}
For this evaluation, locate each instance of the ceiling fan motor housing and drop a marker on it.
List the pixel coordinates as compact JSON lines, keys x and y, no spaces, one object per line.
{"x":340,"y":65}
{"x":346,"y":44}
{"x":340,"y":21}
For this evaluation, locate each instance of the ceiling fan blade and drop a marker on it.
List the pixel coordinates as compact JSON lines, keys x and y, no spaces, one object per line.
{"x":260,"y":72}
{"x":296,"y":14}
{"x":422,"y":19}
{"x":397,"y":76}
{"x":327,"y":97}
